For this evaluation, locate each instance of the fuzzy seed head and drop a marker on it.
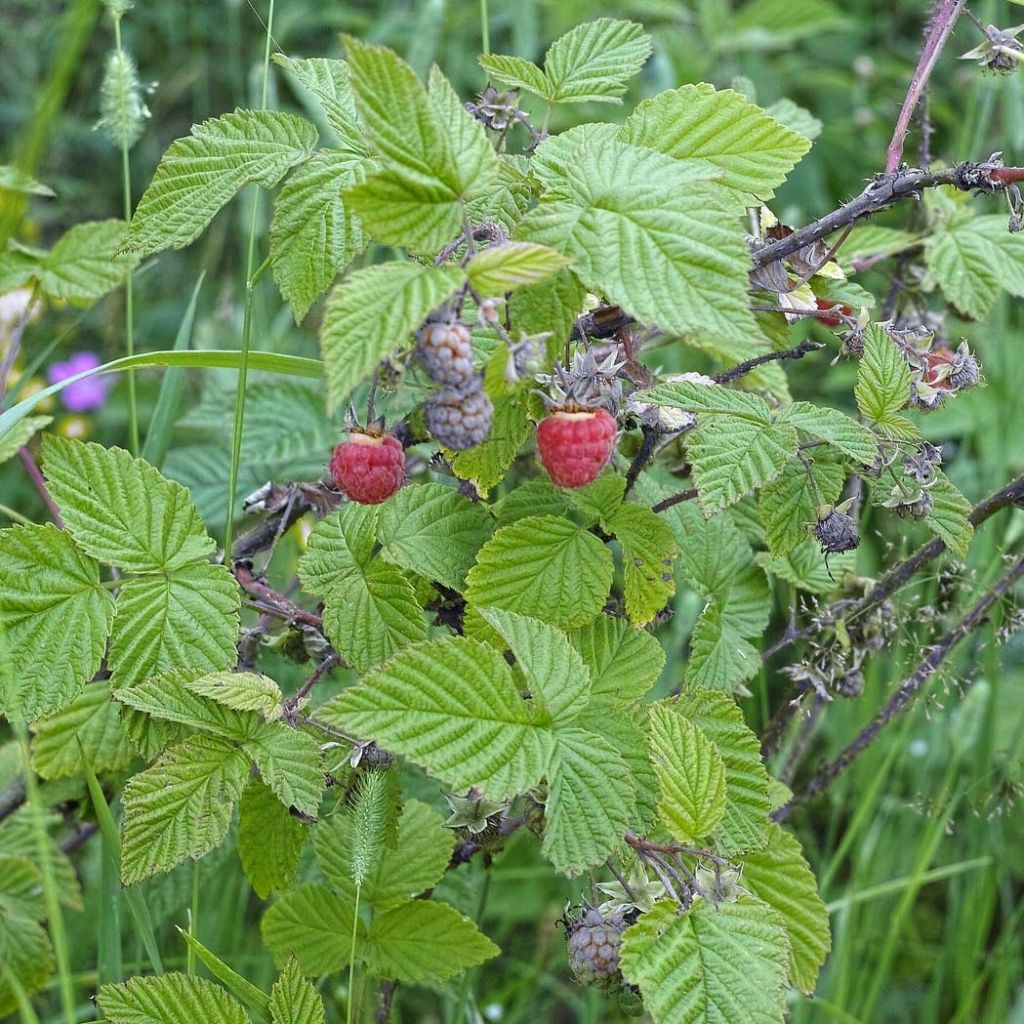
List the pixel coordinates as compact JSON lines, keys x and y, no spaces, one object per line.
{"x":123,"y":111}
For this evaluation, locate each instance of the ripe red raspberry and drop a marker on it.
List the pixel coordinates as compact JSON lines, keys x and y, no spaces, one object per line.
{"x":574,"y":446}
{"x":832,"y":319}
{"x":369,"y":468}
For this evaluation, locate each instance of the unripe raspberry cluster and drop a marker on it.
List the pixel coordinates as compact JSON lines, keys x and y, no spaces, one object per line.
{"x":459,"y":412}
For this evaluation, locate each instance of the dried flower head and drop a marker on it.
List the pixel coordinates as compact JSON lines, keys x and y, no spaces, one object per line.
{"x":1000,"y":50}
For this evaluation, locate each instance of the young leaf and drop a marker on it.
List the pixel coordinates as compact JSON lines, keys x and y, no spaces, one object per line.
{"x":181,"y":806}
{"x":434,"y":531}
{"x":648,"y":552}
{"x":543,"y":566}
{"x":718,"y":132}
{"x":788,"y":506}
{"x":201,"y":172}
{"x":270,"y":839}
{"x":745,"y":824}
{"x":312,"y":924}
{"x":948,"y":518}
{"x":242,"y":691}
{"x":187,"y":619}
{"x":312,"y":236}
{"x":86,"y":263}
{"x":556,"y":676}
{"x":500,"y":268}
{"x":372,"y":615}
{"x":732,"y":457}
{"x":121,"y":510}
{"x":590,"y":804}
{"x":169,"y":999}
{"x":516,"y":72}
{"x":423,"y":942}
{"x":691,"y":774}
{"x":883,"y":384}
{"x":593,"y":62}
{"x":711,"y":964}
{"x":434,"y":155}
{"x":373,"y":311}
{"x":293,"y":1000}
{"x":416,"y":863}
{"x":290,"y":764}
{"x":671,"y":251}
{"x":20,"y":434}
{"x":781,"y":877}
{"x":56,"y":618}
{"x":624,"y":663}
{"x":327,"y":80}
{"x":89,"y":725}
{"x":841,"y":431}
{"x":452,"y":706}
{"x":167,"y":699}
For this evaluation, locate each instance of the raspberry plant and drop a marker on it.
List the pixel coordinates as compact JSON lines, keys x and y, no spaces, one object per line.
{"x":471,"y":629}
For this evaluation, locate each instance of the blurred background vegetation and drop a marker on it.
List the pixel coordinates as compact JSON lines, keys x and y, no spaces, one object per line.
{"x":920,"y":848}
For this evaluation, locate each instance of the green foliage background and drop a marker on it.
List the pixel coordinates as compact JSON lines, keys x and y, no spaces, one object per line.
{"x":918,"y":849}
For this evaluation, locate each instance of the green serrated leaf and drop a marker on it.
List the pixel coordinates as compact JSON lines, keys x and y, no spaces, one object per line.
{"x":544,"y":566}
{"x":242,"y":691}
{"x":270,"y":839}
{"x":500,"y":268}
{"x":20,"y":435}
{"x":841,"y":431}
{"x":340,"y":548}
{"x":373,"y":311}
{"x":590,"y":804}
{"x":293,"y":1000}
{"x":186,"y":620}
{"x":715,"y":399}
{"x":648,"y":553}
{"x":805,"y":567}
{"x":883,"y":384}
{"x":949,"y":516}
{"x":732,"y":457}
{"x":91,"y":723}
{"x":312,"y":236}
{"x":516,"y":72}
{"x":720,"y":657}
{"x":718,"y":133}
{"x":781,"y":877}
{"x":181,"y":806}
{"x":600,"y":500}
{"x":710,"y":964}
{"x":27,"y":955}
{"x":434,"y":531}
{"x":86,"y":263}
{"x":486,"y":464}
{"x":201,"y":172}
{"x":640,"y":231}
{"x":788,"y":506}
{"x":593,"y":62}
{"x":327,"y":80}
{"x":416,"y":863}
{"x":289,"y":762}
{"x":422,"y":942}
{"x":745,"y":824}
{"x":452,"y":706}
{"x":168,"y":699}
{"x":121,"y":510}
{"x":551,"y":306}
{"x":56,"y":618}
{"x":312,"y":924}
{"x":691,"y":774}
{"x":624,"y":663}
{"x":555,"y":673}
{"x":169,"y":999}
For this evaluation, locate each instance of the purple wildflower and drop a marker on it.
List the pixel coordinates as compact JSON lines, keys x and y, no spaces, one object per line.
{"x":83,"y":395}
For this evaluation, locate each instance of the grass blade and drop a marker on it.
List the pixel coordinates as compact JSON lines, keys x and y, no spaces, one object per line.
{"x":158,"y":437}
{"x":245,"y":991}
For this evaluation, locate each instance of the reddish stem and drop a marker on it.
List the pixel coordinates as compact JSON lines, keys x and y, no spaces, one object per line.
{"x":945,"y":18}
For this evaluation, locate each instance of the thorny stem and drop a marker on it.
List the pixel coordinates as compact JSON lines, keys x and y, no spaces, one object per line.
{"x":942,"y":25}
{"x":881,"y":192}
{"x":900,"y":574}
{"x":331,"y":661}
{"x":973,"y":620}
{"x":675,"y":499}
{"x":278,"y":602}
{"x":806,"y":346}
